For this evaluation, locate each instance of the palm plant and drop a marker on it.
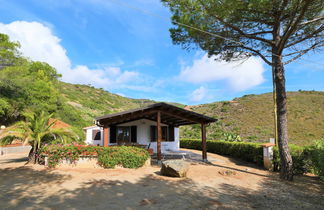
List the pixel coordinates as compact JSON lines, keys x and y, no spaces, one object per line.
{"x":36,"y":131}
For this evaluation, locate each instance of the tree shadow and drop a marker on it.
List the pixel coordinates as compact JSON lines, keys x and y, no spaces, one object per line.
{"x":27,"y":188}
{"x":272,"y":193}
{"x":14,"y":160}
{"x":15,"y":182}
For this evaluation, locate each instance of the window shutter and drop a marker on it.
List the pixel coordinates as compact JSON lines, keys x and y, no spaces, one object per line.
{"x":113,"y":131}
{"x":171,"y":133}
{"x":153,"y":133}
{"x":133,"y":134}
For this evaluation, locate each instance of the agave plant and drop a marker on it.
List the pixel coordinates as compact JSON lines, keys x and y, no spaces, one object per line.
{"x":36,"y":131}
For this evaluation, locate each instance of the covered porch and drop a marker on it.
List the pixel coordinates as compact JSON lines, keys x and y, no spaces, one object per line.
{"x":161,"y":115}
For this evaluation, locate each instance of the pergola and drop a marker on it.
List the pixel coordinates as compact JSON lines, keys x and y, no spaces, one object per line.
{"x":160,"y":113}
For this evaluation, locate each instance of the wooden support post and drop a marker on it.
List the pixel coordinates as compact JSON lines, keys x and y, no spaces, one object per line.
{"x":105,"y":136}
{"x":159,"y":136}
{"x":203,"y":142}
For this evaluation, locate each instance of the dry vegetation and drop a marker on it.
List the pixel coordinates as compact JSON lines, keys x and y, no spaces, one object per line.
{"x":251,"y":117}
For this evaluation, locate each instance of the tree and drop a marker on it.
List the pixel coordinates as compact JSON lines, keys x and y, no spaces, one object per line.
{"x":8,"y":51}
{"x":278,"y":31}
{"x":36,"y":131}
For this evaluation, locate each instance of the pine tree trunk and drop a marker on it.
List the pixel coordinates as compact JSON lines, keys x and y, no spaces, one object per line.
{"x":286,"y":169}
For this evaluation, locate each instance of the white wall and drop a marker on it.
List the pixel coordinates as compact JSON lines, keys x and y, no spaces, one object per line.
{"x":143,"y":135}
{"x":89,"y":137}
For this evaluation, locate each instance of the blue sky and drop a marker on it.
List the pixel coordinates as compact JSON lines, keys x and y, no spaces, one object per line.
{"x":110,"y":45}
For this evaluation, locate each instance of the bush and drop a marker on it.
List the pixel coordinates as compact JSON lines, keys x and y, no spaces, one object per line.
{"x":128,"y":157}
{"x":316,"y":154}
{"x":305,"y":159}
{"x":250,"y":152}
{"x":108,"y":157}
{"x":300,"y":157}
{"x":57,"y":152}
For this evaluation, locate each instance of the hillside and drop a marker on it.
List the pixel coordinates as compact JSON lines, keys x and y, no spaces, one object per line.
{"x":251,"y":117}
{"x":86,"y":103}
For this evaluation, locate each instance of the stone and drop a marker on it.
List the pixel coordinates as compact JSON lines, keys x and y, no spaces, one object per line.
{"x":174,"y":168}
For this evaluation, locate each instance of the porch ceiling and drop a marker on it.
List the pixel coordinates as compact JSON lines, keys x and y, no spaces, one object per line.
{"x":170,"y":115}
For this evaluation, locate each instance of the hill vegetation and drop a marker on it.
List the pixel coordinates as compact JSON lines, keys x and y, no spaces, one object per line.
{"x":251,"y":117}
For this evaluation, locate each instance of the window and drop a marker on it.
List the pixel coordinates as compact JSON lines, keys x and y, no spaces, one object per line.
{"x":167,"y":133}
{"x":96,"y":135}
{"x":123,"y":134}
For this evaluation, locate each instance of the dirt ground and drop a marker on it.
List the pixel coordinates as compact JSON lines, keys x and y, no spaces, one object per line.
{"x":223,"y":183}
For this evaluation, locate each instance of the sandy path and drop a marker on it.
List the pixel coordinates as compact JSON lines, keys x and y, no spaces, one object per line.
{"x":225,"y":183}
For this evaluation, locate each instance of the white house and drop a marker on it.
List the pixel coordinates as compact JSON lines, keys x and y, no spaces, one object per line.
{"x":142,"y":131}
{"x":155,"y":126}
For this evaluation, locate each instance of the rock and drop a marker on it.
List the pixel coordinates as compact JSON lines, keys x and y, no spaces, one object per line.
{"x":174,"y":168}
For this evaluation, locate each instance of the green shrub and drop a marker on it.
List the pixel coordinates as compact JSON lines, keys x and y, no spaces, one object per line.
{"x":316,"y":153}
{"x":250,"y":152}
{"x":108,"y":157}
{"x":128,"y":157}
{"x":300,"y":158}
{"x":56,"y":153}
{"x":305,"y":159}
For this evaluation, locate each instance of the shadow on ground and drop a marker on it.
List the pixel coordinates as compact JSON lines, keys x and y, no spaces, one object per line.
{"x":25,"y":187}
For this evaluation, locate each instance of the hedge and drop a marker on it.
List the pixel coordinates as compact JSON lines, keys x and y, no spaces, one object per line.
{"x":108,"y":157}
{"x":250,"y":152}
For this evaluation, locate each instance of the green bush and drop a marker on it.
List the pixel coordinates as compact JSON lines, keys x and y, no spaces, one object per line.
{"x":300,"y":157}
{"x":305,"y":159}
{"x":108,"y":157}
{"x":250,"y":152}
{"x":128,"y":157}
{"x":316,"y":156}
{"x":56,"y":153}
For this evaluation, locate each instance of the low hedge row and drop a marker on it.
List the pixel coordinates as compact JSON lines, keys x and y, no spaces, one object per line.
{"x":250,"y":152}
{"x":108,"y":157}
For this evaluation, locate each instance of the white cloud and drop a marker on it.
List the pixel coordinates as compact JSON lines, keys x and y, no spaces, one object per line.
{"x":239,"y":76}
{"x":199,"y":94}
{"x":40,"y":44}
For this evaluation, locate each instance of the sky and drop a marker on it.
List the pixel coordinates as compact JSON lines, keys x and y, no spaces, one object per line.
{"x":125,"y":47}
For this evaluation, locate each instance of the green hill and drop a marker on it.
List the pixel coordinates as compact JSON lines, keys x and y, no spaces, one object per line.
{"x":87,"y":102}
{"x":251,"y":117}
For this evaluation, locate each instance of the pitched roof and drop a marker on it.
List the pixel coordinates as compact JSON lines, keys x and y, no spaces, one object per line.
{"x":170,"y":114}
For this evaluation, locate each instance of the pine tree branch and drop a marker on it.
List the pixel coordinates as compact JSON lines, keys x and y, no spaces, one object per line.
{"x":235,"y":28}
{"x":303,"y":52}
{"x":293,"y":26}
{"x":257,"y":53}
{"x":312,"y":35}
